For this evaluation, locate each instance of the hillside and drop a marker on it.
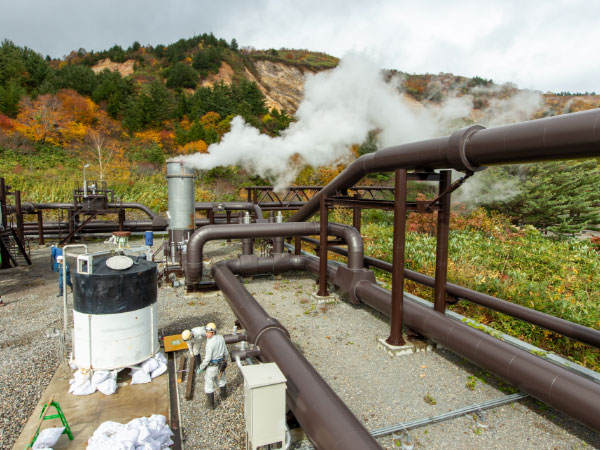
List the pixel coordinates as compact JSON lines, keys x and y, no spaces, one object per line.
{"x":124,"y":111}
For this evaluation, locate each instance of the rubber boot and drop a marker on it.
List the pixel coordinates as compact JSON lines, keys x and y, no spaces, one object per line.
{"x":210,"y":400}
{"x":223,"y":391}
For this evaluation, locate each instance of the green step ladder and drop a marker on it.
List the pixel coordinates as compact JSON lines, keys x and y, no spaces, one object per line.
{"x":43,"y":416}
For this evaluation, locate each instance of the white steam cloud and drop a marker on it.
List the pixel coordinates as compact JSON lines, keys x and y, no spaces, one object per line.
{"x":338,"y":110}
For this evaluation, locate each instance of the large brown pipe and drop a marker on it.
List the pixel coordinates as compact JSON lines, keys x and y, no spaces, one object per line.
{"x":560,"y":388}
{"x":30,"y":207}
{"x":327,"y":421}
{"x":193,"y":271}
{"x":552,"y":384}
{"x":564,"y":327}
{"x":569,"y":136}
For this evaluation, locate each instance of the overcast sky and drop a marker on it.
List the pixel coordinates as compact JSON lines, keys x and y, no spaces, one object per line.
{"x":543,"y":45}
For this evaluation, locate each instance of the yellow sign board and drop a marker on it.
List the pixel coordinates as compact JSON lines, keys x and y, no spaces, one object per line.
{"x":174,"y":343}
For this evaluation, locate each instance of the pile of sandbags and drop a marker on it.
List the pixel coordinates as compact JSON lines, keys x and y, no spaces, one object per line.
{"x":86,"y":381}
{"x":149,"y":369}
{"x":145,"y":433}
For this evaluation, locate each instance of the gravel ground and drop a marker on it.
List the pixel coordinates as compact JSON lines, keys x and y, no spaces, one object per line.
{"x":337,"y":338}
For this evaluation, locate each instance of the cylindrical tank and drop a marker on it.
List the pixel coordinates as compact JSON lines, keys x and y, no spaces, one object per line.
{"x":114,"y":311}
{"x":180,"y":181}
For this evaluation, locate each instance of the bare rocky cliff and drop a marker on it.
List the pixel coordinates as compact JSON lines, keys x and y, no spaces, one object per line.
{"x":282,"y":84}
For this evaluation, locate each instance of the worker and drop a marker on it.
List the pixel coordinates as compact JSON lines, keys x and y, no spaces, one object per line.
{"x":193,"y":339}
{"x":59,"y":261}
{"x":54,"y":252}
{"x":215,"y":363}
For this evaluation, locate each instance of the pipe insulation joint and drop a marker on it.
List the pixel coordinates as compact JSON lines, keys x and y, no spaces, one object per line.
{"x":269,"y":324}
{"x":456,"y":153}
{"x":346,"y":280}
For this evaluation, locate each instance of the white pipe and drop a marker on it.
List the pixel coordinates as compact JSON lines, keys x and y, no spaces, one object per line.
{"x":288,"y":437}
{"x":65,"y":283}
{"x":238,"y":361}
{"x":84,"y":181}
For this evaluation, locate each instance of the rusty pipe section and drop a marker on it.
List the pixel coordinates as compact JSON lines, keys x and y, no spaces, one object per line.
{"x":564,"y":327}
{"x":554,"y":385}
{"x":233,"y":338}
{"x":569,"y":136}
{"x":327,"y":421}
{"x":193,"y":271}
{"x":139,"y":206}
{"x":30,"y":207}
{"x":231,"y":206}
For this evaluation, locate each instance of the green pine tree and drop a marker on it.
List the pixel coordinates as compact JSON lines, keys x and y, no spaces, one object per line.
{"x":559,"y":196}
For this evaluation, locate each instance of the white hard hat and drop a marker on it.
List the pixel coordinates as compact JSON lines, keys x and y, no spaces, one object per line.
{"x":59,"y":258}
{"x":186,"y":334}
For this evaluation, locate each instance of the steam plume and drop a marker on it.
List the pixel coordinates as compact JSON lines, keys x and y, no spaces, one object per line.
{"x":339,"y":108}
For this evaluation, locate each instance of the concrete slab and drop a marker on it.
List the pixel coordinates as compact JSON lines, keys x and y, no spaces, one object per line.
{"x":411,"y":346}
{"x":85,"y":413}
{"x":331,"y":298}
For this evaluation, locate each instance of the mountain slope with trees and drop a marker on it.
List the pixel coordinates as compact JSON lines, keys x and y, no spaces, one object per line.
{"x":129,"y":109}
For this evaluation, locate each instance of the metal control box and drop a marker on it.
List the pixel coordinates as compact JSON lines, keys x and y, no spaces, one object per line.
{"x":85,"y":261}
{"x":264,"y":405}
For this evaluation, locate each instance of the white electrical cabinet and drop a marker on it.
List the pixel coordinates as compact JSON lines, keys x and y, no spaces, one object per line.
{"x":264,"y":405}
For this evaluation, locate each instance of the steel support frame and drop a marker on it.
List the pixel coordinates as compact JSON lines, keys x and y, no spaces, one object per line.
{"x":441,"y":254}
{"x":398,"y":252}
{"x":324,"y":219}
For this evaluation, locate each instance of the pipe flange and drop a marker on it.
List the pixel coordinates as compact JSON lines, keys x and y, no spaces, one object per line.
{"x":277,"y":326}
{"x":456,"y":153}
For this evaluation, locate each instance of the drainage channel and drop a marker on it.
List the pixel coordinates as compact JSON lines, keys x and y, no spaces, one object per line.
{"x":449,"y":415}
{"x":474,"y":408}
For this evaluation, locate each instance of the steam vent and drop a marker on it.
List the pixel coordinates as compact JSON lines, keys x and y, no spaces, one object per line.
{"x":259,"y":322}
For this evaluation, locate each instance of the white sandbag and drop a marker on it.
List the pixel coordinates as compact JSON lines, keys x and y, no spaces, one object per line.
{"x":127,"y":438}
{"x":140,"y":376}
{"x":48,"y":437}
{"x":150,"y":365}
{"x":146,"y":440}
{"x":108,"y":381}
{"x":109,"y":428}
{"x":81,"y":376}
{"x":162,"y":368}
{"x":81,"y":384}
{"x":159,"y":419}
{"x":99,"y":376}
{"x":83,"y":389}
{"x":108,"y":386}
{"x":160,"y":357}
{"x":148,"y":446}
{"x":104,"y":436}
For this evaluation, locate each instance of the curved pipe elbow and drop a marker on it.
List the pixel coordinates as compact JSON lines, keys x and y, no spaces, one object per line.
{"x":356,"y":252}
{"x":193,"y":270}
{"x":232,"y":206}
{"x":139,"y":206}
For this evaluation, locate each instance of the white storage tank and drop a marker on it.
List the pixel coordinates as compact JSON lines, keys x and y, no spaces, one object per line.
{"x":114,"y":311}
